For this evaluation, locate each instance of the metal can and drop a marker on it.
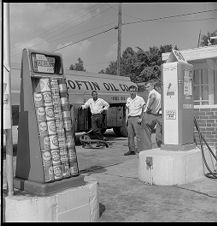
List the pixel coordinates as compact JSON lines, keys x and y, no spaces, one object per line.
{"x":56,"y":100}
{"x":55,"y":154}
{"x":66,"y":114}
{"x":66,"y":169}
{"x":42,"y":127}
{"x":38,"y":99}
{"x":44,"y":143}
{"x":40,"y":114}
{"x":72,"y":155}
{"x":51,"y":127}
{"x":67,"y":124}
{"x":62,"y":140}
{"x":57,"y":108}
{"x":54,"y":83}
{"x":64,"y":95}
{"x":58,"y":112}
{"x":55,"y":92}
{"x":56,"y":162}
{"x":49,"y":112}
{"x":47,"y":98}
{"x":64,"y":158}
{"x":44,"y":84}
{"x":58,"y":173}
{"x":46,"y":158}
{"x":65,"y":107}
{"x":69,"y":139}
{"x":73,"y":168}
{"x":63,"y":88}
{"x":53,"y":142}
{"x":64,"y":100}
{"x":48,"y":173}
{"x":59,"y":126}
{"x":63,"y":151}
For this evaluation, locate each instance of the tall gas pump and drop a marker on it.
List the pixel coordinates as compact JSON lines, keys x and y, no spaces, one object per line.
{"x":178,"y":108}
{"x":178,"y":161}
{"x":46,"y":156}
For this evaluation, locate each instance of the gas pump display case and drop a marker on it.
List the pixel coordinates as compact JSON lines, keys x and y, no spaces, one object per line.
{"x":46,"y":155}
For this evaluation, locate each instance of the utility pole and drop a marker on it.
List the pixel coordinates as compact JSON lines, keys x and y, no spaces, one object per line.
{"x":119,"y":40}
{"x":7,"y":123}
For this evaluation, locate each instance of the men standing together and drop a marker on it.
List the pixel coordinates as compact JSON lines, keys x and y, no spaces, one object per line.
{"x":143,"y":118}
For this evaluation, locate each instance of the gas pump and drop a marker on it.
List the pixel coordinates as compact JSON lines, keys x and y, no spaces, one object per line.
{"x":178,"y":161}
{"x":178,"y":108}
{"x":46,"y":156}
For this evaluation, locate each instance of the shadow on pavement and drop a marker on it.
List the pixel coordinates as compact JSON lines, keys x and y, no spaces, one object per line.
{"x":95,"y":169}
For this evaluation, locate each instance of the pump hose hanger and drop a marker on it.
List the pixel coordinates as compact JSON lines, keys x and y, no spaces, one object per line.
{"x":211,"y":174}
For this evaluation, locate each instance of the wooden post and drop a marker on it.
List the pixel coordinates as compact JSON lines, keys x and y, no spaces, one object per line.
{"x":7,"y":122}
{"x":119,"y":40}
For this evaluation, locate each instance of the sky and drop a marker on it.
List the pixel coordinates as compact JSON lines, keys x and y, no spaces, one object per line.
{"x":67,"y":28}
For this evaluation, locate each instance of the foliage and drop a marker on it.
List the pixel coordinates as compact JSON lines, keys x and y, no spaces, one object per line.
{"x":79,"y":66}
{"x":128,"y":60}
{"x":205,"y":39}
{"x":140,"y":65}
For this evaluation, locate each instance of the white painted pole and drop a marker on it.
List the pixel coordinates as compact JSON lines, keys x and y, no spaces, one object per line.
{"x":7,"y":119}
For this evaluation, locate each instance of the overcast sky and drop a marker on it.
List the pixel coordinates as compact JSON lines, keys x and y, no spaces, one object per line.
{"x":51,"y":26}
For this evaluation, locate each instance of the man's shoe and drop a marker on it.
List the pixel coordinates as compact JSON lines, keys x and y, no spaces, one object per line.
{"x":130,"y":153}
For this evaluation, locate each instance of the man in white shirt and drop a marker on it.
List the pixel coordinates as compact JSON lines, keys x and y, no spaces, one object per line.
{"x":152,"y":118}
{"x":134,"y":110}
{"x":97,"y":107}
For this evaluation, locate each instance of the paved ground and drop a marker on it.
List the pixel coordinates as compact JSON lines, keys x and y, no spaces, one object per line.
{"x":124,"y":198}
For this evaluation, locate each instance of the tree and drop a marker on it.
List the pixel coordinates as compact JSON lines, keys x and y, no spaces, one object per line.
{"x":205,"y":39}
{"x":79,"y":66}
{"x":111,"y":69}
{"x":140,"y":65}
{"x":128,"y":60}
{"x":148,"y":65}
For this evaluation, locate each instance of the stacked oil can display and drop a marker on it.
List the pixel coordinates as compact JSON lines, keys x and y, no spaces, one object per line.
{"x":55,"y":129}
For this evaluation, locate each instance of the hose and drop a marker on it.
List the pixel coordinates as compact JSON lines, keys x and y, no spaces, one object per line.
{"x":211,"y":175}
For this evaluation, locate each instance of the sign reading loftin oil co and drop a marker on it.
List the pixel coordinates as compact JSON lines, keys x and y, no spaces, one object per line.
{"x":98,"y":85}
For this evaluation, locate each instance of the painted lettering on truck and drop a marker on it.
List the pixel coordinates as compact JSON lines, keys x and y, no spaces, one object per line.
{"x":90,"y":85}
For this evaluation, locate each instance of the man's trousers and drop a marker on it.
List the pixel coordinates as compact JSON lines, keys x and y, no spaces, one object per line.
{"x":136,"y":130}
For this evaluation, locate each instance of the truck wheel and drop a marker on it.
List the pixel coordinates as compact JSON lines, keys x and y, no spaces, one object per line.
{"x":120,"y":131}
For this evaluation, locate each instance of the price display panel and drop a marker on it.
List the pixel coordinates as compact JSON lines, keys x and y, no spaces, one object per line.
{"x":46,"y":64}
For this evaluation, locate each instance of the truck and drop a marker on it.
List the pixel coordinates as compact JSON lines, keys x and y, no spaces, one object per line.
{"x":80,"y":84}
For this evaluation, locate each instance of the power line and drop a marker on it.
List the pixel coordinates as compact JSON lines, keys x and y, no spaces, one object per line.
{"x":147,"y":20}
{"x":85,"y":38}
{"x":73,"y":27}
{"x":166,"y":17}
{"x":54,"y":29}
{"x":67,"y":29}
{"x":190,"y":20}
{"x":105,"y":25}
{"x":67,"y":20}
{"x":141,"y":20}
{"x":124,"y":14}
{"x":56,"y":39}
